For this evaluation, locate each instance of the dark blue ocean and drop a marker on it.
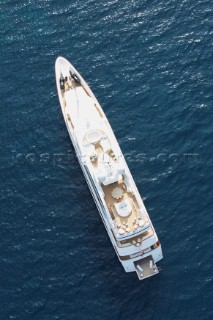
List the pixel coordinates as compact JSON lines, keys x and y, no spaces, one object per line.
{"x":150,"y":64}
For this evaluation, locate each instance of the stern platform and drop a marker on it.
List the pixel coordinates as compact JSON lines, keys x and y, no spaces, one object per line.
{"x":145,"y":267}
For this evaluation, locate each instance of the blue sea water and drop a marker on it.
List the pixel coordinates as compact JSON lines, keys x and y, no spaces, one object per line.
{"x":150,"y":65}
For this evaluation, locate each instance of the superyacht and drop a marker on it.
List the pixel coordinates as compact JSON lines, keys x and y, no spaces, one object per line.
{"x":107,"y":174}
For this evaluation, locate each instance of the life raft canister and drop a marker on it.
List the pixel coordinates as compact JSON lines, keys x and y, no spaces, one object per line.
{"x":75,"y":78}
{"x":62,"y":82}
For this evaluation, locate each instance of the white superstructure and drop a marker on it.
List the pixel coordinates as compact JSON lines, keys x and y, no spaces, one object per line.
{"x":107,"y":174}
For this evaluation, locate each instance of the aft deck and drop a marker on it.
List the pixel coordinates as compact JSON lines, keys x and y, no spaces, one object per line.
{"x":130,"y":222}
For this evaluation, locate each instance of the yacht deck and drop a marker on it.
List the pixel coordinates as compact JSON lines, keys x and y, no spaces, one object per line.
{"x":128,"y":222}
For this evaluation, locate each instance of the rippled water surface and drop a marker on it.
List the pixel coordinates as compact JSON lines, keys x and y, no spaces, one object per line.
{"x":150,"y":65}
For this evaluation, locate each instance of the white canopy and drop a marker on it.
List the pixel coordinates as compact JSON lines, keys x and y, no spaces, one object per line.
{"x":123,"y":208}
{"x":107,"y":169}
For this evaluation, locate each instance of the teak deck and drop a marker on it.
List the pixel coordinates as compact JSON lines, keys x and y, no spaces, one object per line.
{"x":110,"y":201}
